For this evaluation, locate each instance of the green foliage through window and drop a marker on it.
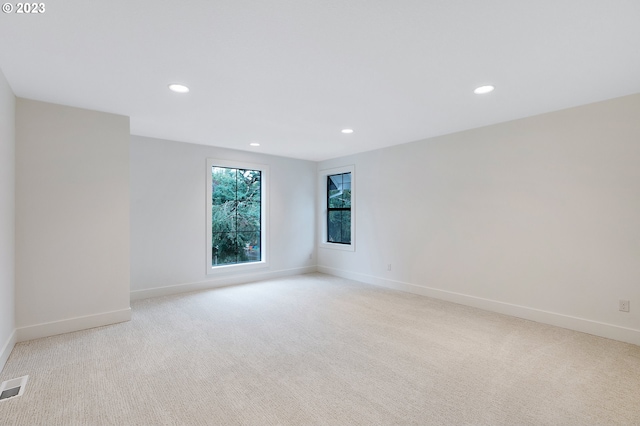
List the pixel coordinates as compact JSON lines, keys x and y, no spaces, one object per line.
{"x":235,"y":216}
{"x":339,"y":208}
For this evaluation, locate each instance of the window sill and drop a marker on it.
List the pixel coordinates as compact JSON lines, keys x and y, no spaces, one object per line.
{"x":235,"y":268}
{"x":336,"y":246}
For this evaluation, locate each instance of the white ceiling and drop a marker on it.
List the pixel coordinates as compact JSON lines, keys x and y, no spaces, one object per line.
{"x":291,"y":74}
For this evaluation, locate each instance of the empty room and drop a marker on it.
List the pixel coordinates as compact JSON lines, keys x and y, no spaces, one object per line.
{"x":320,"y":212}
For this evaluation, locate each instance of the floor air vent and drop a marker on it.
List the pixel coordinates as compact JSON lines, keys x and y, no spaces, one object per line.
{"x":12,"y":388}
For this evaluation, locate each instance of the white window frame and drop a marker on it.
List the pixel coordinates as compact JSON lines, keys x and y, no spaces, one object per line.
{"x":264,"y":218}
{"x":322,"y":202}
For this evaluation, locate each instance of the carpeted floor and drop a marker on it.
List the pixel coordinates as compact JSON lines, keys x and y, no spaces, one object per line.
{"x":315,"y":349}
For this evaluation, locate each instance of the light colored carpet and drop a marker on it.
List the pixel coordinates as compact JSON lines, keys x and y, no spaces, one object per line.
{"x":316,"y":349}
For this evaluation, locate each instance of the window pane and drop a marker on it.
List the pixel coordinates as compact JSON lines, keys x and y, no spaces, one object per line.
{"x":339,"y":190}
{"x":346,"y":227}
{"x":335,"y":200}
{"x":223,"y":248}
{"x":339,"y":226}
{"x":223,"y":185}
{"x":346,"y":190}
{"x":334,"y":227}
{"x":334,"y":191}
{"x":248,"y":216}
{"x":248,"y":185}
{"x":335,"y":182}
{"x":346,"y":197}
{"x":223,"y":217}
{"x":248,"y":247}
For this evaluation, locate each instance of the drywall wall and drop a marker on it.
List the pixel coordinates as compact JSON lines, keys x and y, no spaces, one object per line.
{"x":538,"y":218}
{"x":168,"y":226}
{"x":7,"y":219}
{"x":72,"y":218}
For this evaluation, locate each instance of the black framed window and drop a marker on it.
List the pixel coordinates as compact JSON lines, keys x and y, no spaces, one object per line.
{"x":236,"y":216}
{"x":339,"y":208}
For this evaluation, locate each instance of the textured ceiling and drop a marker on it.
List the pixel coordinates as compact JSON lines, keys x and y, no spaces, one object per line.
{"x":291,"y":74}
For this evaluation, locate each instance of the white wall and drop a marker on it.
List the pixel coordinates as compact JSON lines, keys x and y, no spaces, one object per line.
{"x":72,"y":219}
{"x":7,"y":219}
{"x":168,"y":216}
{"x":538,"y":218}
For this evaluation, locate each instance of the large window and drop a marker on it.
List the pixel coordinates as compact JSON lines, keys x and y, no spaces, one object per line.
{"x":337,"y":208}
{"x":235,"y":210}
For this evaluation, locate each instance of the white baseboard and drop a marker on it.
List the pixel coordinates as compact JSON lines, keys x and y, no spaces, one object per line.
{"x":219,"y":282}
{"x":72,"y":324}
{"x":584,"y":325}
{"x":7,"y":348}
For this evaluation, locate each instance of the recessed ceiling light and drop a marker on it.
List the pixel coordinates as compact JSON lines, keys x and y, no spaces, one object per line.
{"x":178,"y":88}
{"x":347,"y":131}
{"x":483,"y":89}
{"x":254,"y":144}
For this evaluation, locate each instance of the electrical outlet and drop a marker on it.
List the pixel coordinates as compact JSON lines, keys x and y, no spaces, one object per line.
{"x":310,"y":256}
{"x":389,"y":267}
{"x":624,"y":305}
